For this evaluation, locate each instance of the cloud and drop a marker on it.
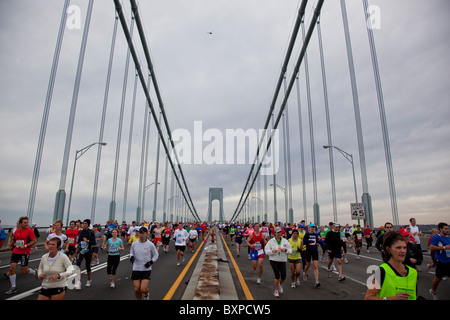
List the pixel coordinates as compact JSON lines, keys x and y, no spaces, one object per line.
{"x":226,"y":80}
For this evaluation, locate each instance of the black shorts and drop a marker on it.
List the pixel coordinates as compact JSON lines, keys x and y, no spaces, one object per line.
{"x":335,"y":254}
{"x":112,"y":264}
{"x":442,"y":269}
{"x":52,"y":291}
{"x":165,"y":240}
{"x":310,"y":254}
{"x":181,"y":248}
{"x":141,"y":275}
{"x":71,"y":250}
{"x":22,"y":258}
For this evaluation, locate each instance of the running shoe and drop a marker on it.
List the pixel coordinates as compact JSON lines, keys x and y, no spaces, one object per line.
{"x":88,"y":283}
{"x":258,"y":280}
{"x":341,"y":278}
{"x":434,"y":294}
{"x":293,"y":285}
{"x":280,"y":289}
{"x":329,"y":273}
{"x":113,"y":285}
{"x":317,"y":284}
{"x":276,"y":294}
{"x":11,"y":290}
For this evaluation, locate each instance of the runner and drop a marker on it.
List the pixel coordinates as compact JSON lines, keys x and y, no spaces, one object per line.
{"x":193,"y":235}
{"x":54,"y":268}
{"x":294,"y":258}
{"x":22,"y":239}
{"x":256,"y":243}
{"x":109,"y":228}
{"x":166,"y":234}
{"x":115,"y":245}
{"x":72,"y":238}
{"x":344,"y":243}
{"x":311,"y":253}
{"x":98,"y":237}
{"x":123,"y":230}
{"x":142,"y":255}
{"x":334,"y":248}
{"x":180,"y":236}
{"x":440,"y":248}
{"x":396,"y":281}
{"x":86,"y":239}
{"x":278,"y":249}
{"x":358,"y":235}
{"x":368,"y":236}
{"x":57,"y":226}
{"x":238,"y":239}
{"x":157,"y":232}
{"x":135,"y":236}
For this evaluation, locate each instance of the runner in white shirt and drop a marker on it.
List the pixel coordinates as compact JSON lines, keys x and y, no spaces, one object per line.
{"x":143,"y":254}
{"x":180,"y":236}
{"x":57,"y":225}
{"x":193,"y":234}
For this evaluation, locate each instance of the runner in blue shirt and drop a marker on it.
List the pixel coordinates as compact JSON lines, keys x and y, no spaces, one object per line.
{"x":310,"y":240}
{"x":115,"y":245}
{"x":440,"y":247}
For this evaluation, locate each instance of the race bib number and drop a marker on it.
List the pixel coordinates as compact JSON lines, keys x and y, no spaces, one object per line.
{"x":20,"y":243}
{"x":113,"y":250}
{"x":257,"y":246}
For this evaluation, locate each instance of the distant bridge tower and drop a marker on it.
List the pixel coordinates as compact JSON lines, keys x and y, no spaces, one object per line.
{"x":215,"y":194}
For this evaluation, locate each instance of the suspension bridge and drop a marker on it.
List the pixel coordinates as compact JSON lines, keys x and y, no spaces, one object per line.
{"x":132,"y":79}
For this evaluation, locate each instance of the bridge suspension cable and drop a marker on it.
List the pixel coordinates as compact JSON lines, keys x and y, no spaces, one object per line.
{"x":184,"y":191}
{"x":313,"y":22}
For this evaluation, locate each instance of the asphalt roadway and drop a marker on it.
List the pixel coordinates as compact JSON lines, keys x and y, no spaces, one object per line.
{"x":169,"y":281}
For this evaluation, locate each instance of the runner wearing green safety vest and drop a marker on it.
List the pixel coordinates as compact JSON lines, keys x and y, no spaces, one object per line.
{"x":394,"y":283}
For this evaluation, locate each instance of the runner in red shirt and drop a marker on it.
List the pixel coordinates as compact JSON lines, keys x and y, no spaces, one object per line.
{"x":256,"y":243}
{"x":72,"y":239}
{"x":22,"y":239}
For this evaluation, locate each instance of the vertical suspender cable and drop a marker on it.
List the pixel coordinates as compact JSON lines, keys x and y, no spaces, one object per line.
{"x":301,"y":13}
{"x":384,"y":126}
{"x":61,"y":194}
{"x":130,"y":142}
{"x":302,"y":150}
{"x":102,"y":123}
{"x":141,"y":172}
{"x":48,"y":100}
{"x":112,"y":206}
{"x":291,"y":83}
{"x":362,"y":158}
{"x":311,"y":136}
{"x":327,"y":115}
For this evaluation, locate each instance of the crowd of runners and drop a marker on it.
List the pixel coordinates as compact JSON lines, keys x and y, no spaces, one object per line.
{"x":295,"y":247}
{"x":299,"y":246}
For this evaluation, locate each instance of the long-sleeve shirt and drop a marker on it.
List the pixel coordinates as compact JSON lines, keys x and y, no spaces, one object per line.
{"x":60,"y":264}
{"x":143,"y":252}
{"x":273,"y":244}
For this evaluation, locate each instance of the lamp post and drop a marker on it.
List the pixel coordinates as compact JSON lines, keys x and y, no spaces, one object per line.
{"x":285,"y":197}
{"x":78,"y":154}
{"x":349,"y":157}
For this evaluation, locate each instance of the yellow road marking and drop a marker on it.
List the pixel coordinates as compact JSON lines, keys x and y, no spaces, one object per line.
{"x":247,"y":293}
{"x":177,"y":282}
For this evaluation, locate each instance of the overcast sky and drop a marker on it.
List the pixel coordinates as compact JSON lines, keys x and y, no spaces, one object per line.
{"x":226,"y":80}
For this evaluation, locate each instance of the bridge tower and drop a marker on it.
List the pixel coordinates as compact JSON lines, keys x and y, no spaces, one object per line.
{"x":215,"y":194}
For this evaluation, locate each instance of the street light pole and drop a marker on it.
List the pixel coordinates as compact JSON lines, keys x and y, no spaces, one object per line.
{"x":349,"y":157}
{"x":78,"y":154}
